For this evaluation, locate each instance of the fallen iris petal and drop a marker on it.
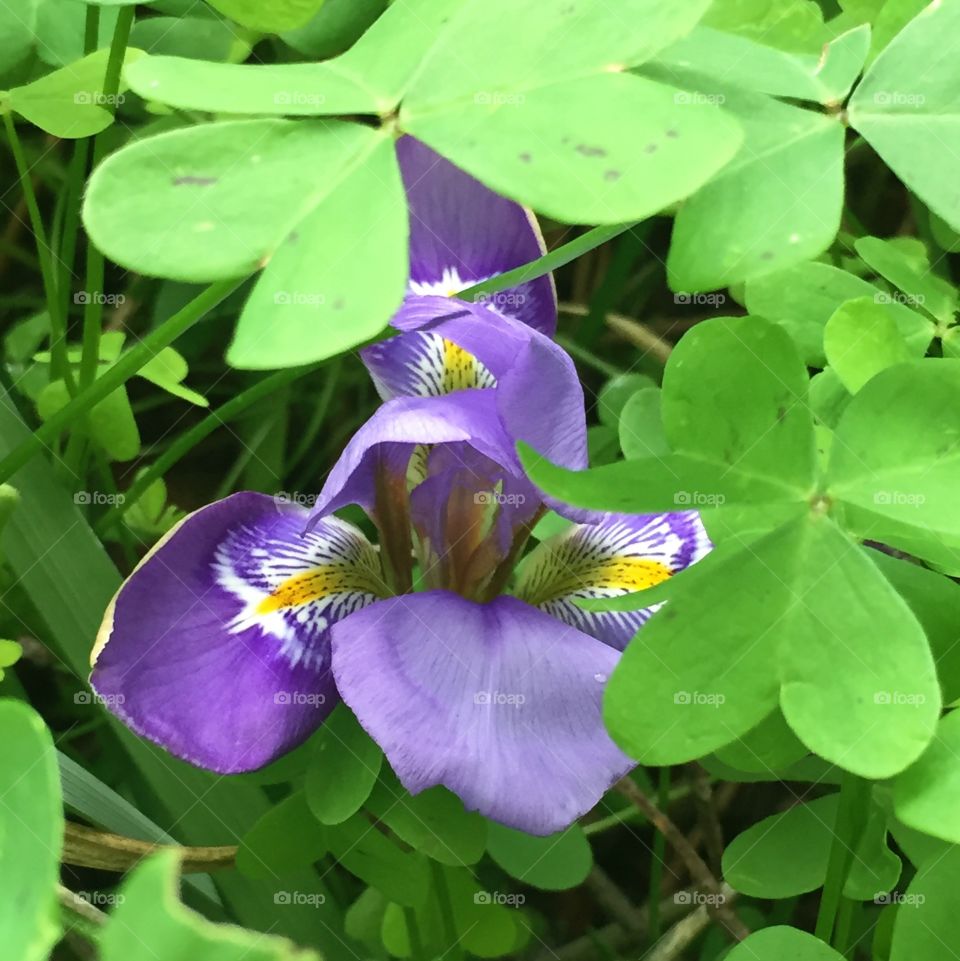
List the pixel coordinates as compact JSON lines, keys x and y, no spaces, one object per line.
{"x":499,"y":702}
{"x":217,"y":647}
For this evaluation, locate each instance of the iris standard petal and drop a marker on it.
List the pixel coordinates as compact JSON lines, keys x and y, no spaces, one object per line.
{"x":498,"y":702}
{"x":448,"y":345}
{"x":619,"y":554}
{"x":461,"y":232}
{"x":386,"y":442}
{"x":217,"y":647}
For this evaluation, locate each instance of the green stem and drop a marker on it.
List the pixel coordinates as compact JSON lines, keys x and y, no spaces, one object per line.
{"x":59,"y":367}
{"x":318,"y":416}
{"x":851,"y":815}
{"x":548,"y":262}
{"x":186,"y":442}
{"x":117,"y":375}
{"x":845,"y":916}
{"x":588,"y":357}
{"x":446,"y":911}
{"x":631,"y":813}
{"x":93,"y":308}
{"x":658,"y":858}
{"x":413,"y":934}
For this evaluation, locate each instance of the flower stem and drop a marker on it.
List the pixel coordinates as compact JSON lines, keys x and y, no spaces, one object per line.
{"x":413,"y":934}
{"x":658,"y":857}
{"x":446,"y":910}
{"x":59,"y":367}
{"x":187,"y":441}
{"x":93,"y":308}
{"x":549,"y":261}
{"x":854,"y":798}
{"x":118,"y":374}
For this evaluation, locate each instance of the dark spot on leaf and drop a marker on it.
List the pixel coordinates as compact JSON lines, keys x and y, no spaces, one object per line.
{"x":767,"y":255}
{"x":588,"y":151}
{"x":781,"y":413}
{"x":651,"y":148}
{"x":672,"y":134}
{"x":190,"y":181}
{"x":567,"y":10}
{"x":293,"y":236}
{"x":525,"y":157}
{"x":611,"y":175}
{"x":338,"y":304}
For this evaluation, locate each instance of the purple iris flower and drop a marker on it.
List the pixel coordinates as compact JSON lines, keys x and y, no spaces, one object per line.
{"x":469,"y":663}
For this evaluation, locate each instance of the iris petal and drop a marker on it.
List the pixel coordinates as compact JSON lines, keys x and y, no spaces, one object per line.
{"x":498,"y":702}
{"x":619,"y":554}
{"x":217,"y":646}
{"x":461,"y":232}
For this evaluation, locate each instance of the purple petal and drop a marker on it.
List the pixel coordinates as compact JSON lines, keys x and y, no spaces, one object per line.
{"x":461,"y":232}
{"x":620,"y":554}
{"x":387,"y":441}
{"x":217,"y":647}
{"x":448,"y":345}
{"x":498,"y":702}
